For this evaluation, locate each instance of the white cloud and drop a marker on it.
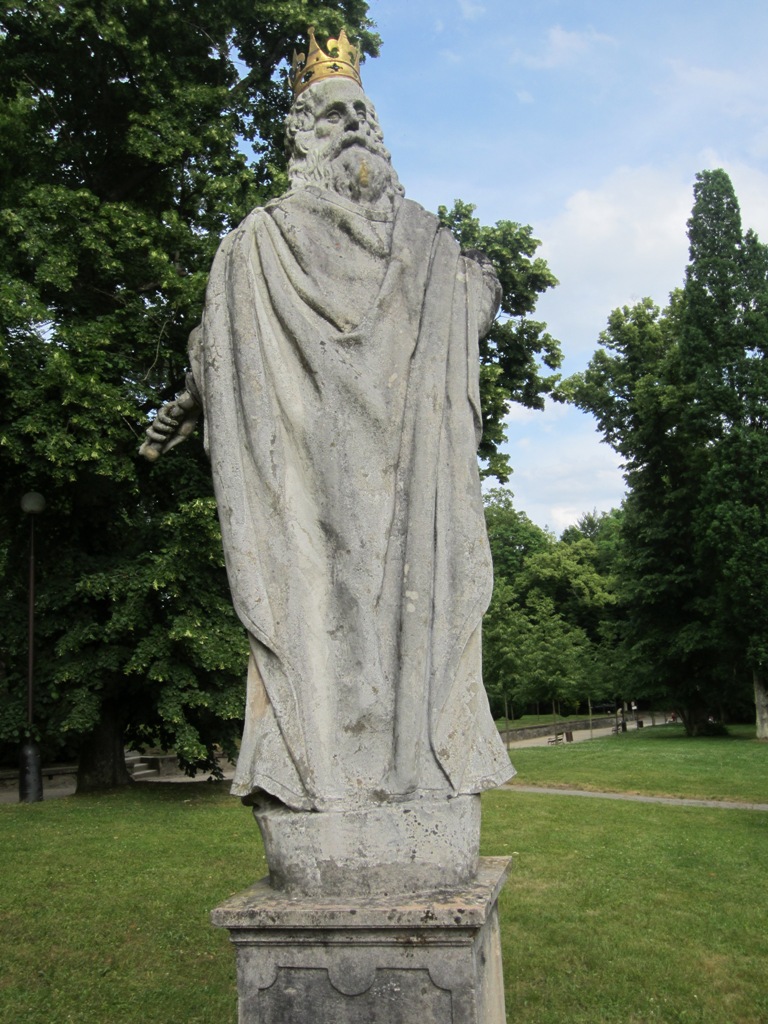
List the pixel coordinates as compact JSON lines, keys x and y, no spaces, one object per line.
{"x":735,"y":91}
{"x":612,"y":245}
{"x":563,"y":49}
{"x":609,"y":245}
{"x":625,"y":239}
{"x":470,"y":9}
{"x":561,"y":468}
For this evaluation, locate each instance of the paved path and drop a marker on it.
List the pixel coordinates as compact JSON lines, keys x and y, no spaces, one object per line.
{"x":579,"y":735}
{"x":728,"y":805}
{"x":65,"y":785}
{"x":10,"y":795}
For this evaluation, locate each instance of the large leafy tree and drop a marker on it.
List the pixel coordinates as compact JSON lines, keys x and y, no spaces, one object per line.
{"x":123,"y":127}
{"x":132,"y":135}
{"x":681,"y":395}
{"x":726,"y":344}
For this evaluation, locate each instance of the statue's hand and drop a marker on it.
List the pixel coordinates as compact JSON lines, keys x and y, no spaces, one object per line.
{"x":172,"y":425}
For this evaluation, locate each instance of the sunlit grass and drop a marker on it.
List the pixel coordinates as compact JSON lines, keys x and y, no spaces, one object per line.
{"x":105,"y":902}
{"x":616,"y":913}
{"x":620,"y":912}
{"x":660,"y":761}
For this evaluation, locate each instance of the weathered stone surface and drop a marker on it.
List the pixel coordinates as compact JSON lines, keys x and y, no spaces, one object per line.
{"x":432,"y":959}
{"x":337,"y":370}
{"x":337,"y":366}
{"x":403,"y":847}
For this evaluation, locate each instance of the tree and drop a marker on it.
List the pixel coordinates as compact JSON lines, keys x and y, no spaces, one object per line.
{"x":132,"y":135}
{"x":121,"y":134}
{"x":513,"y":538}
{"x":603,"y":616}
{"x":510,"y":370}
{"x":681,"y":396}
{"x":543,"y":635}
{"x":727,"y":284}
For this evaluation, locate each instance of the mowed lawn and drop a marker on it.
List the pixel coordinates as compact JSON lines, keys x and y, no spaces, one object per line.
{"x":654,"y":761}
{"x":615,"y":912}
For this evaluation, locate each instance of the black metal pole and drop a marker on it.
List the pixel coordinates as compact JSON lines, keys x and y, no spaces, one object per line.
{"x":31,"y":627}
{"x":30,"y":764}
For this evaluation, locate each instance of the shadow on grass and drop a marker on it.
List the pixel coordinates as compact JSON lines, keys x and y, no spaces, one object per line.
{"x":677,"y":732}
{"x":171,"y":791}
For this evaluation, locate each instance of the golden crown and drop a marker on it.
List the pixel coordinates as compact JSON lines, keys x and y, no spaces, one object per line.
{"x":341,"y":61}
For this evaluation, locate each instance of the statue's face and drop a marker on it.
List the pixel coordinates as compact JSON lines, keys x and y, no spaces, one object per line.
{"x":341,"y":116}
{"x":334,"y":139}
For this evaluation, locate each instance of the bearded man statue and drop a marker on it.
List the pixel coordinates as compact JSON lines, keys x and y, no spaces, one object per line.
{"x":337,"y":370}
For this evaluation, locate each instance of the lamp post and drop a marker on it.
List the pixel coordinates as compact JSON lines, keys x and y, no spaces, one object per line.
{"x":30,"y":766}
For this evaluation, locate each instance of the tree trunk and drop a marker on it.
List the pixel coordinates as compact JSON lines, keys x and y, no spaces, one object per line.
{"x":102,"y":754}
{"x":761,"y":704}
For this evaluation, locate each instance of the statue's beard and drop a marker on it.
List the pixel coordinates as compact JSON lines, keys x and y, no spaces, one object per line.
{"x":354,"y":168}
{"x":361,"y":175}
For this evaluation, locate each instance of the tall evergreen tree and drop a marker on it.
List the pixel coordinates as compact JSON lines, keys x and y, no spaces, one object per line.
{"x":677,"y":394}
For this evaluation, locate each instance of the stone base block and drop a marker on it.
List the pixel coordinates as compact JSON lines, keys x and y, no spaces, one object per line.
{"x":398,"y":847}
{"x":426,"y":959}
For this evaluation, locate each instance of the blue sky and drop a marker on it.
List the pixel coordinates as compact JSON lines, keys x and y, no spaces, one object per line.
{"x":588,"y":121}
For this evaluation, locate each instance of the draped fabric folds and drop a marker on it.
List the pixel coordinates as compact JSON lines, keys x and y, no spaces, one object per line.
{"x":338,"y":369}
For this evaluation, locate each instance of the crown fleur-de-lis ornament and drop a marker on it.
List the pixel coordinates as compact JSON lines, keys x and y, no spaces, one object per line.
{"x":341,"y":61}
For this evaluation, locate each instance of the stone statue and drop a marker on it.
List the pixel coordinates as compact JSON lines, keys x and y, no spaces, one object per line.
{"x":337,"y":371}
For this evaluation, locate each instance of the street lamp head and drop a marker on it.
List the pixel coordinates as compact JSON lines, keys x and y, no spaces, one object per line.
{"x":32,"y":502}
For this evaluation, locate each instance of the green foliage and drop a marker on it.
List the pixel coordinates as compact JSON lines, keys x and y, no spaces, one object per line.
{"x":545,"y":635}
{"x":682,"y":396}
{"x":121,"y":164}
{"x":516,"y":346}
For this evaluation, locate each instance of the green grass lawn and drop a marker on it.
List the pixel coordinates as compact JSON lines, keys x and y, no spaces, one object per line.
{"x":616,"y":913}
{"x":105,"y":900}
{"x":621,"y":913}
{"x":660,"y":761}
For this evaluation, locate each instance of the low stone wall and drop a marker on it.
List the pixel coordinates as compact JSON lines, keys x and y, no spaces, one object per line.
{"x":532,"y":732}
{"x":59,"y":772}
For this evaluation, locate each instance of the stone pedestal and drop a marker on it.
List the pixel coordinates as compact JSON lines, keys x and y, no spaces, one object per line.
{"x":430,"y":958}
{"x":408,"y":846}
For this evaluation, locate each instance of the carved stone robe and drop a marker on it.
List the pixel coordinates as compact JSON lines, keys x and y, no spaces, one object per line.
{"x":338,"y":368}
